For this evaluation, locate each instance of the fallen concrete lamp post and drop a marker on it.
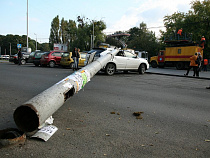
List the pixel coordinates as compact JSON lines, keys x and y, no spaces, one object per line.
{"x":32,"y":114}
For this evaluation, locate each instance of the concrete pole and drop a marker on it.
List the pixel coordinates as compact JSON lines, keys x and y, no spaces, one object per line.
{"x":10,"y":49}
{"x":93,"y":33}
{"x":27,"y":26}
{"x":33,"y":113}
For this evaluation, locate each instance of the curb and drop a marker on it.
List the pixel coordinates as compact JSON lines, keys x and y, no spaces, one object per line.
{"x":156,"y":73}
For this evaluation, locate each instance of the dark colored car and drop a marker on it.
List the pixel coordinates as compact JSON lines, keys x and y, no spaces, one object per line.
{"x":31,"y":57}
{"x":53,"y":58}
{"x":13,"y":58}
{"x":37,"y":57}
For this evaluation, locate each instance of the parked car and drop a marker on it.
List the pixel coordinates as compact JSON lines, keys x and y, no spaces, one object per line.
{"x":82,"y":58}
{"x":4,"y":57}
{"x":31,"y":57}
{"x":12,"y":58}
{"x":25,"y":56}
{"x":37,"y":57}
{"x":53,"y":58}
{"x":67,"y":61}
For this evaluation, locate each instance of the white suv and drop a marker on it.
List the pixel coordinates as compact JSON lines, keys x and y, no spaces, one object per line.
{"x":126,"y":60}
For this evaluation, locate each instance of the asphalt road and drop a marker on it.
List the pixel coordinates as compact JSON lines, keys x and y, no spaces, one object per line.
{"x":175,"y":120}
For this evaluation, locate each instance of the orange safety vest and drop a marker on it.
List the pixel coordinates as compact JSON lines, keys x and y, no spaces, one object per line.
{"x":205,"y":62}
{"x":179,"y":32}
{"x":203,"y":39}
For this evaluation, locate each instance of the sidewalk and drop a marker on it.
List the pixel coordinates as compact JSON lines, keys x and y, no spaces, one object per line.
{"x":4,"y":61}
{"x":174,"y":72}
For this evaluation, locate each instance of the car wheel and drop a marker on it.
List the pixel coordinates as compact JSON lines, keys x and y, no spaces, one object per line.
{"x":52,"y":64}
{"x":36,"y":64}
{"x":23,"y":62}
{"x":71,"y":65}
{"x":142,"y":69}
{"x":110,"y":69}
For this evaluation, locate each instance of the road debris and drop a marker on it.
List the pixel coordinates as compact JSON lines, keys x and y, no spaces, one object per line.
{"x":11,"y":136}
{"x":138,"y":114}
{"x":112,"y":112}
{"x":207,"y":140}
{"x":45,"y":132}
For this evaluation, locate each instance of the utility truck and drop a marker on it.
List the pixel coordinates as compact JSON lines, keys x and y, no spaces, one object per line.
{"x":177,"y":53}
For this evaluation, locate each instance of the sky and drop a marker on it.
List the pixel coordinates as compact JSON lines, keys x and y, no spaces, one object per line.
{"x":118,"y":15}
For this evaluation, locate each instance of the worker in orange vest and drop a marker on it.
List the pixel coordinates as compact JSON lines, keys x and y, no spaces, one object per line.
{"x":203,"y":40}
{"x":193,"y":65}
{"x":205,"y":63}
{"x":179,"y":33}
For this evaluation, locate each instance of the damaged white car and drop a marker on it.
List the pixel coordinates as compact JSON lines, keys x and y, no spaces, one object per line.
{"x":125,"y":60}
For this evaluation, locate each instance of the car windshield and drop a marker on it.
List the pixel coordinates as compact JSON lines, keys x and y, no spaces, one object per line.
{"x":129,"y":55}
{"x":32,"y":54}
{"x":65,"y":54}
{"x":83,"y":55}
{"x":98,"y":51}
{"x":39,"y":54}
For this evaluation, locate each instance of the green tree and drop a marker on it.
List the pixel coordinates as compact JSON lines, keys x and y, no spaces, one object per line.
{"x":54,"y":32}
{"x":143,"y":40}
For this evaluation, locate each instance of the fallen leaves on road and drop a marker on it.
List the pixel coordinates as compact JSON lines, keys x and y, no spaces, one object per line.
{"x":112,"y":112}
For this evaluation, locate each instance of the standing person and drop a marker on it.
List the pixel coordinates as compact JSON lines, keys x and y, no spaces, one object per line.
{"x":198,"y":61}
{"x":74,"y":57}
{"x":205,"y":63}
{"x":203,"y":40}
{"x":19,"y":57}
{"x":179,"y":33}
{"x":192,"y":65}
{"x":77,"y":58}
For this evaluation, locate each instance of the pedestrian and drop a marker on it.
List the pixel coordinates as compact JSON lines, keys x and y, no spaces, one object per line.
{"x":199,"y":61}
{"x":179,"y":33}
{"x":203,"y":40}
{"x":19,"y":57}
{"x":74,"y":57}
{"x":192,"y":65}
{"x":77,"y":58}
{"x":205,"y":63}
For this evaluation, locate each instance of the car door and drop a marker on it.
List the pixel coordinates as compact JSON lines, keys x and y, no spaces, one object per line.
{"x":132,"y":61}
{"x":120,"y":60}
{"x":56,"y":57}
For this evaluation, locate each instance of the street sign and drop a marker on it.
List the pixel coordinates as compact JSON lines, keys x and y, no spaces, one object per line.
{"x":18,"y":45}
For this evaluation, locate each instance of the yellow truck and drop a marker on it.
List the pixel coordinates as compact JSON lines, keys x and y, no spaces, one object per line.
{"x":177,"y":54}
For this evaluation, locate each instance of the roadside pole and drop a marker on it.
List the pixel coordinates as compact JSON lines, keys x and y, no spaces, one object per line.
{"x":32,"y":114}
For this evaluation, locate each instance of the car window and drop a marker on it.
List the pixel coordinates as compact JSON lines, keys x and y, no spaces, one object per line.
{"x":57,"y":54}
{"x":39,"y":54}
{"x":120,"y":53}
{"x":32,"y":54}
{"x":130,"y":55}
{"x":65,"y":54}
{"x":83,"y":55}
